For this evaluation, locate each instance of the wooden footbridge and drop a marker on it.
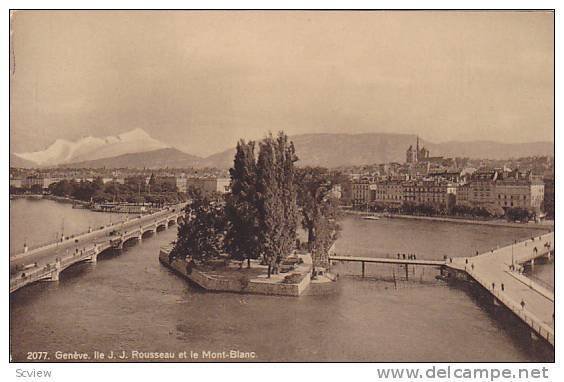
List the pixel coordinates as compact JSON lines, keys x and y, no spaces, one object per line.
{"x":385,"y":260}
{"x":500,"y":272}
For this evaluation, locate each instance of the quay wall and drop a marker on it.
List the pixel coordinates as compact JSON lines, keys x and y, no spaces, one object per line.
{"x":495,"y":223}
{"x":253,"y":286}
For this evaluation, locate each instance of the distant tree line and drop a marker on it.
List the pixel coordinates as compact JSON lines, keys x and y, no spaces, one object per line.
{"x":260,"y":217}
{"x":134,"y":190}
{"x":485,"y":212}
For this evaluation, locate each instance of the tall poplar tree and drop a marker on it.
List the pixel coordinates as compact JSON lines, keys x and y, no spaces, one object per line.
{"x":276,"y":198}
{"x":241,"y":240}
{"x":286,"y":157}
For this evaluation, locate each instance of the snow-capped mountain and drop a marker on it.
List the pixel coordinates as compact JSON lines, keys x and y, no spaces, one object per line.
{"x":90,"y":148}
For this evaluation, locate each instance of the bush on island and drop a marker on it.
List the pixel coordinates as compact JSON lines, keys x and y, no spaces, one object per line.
{"x":294,"y":278}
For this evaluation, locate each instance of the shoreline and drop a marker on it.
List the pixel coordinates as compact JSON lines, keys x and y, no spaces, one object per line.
{"x":493,"y":223}
{"x":122,"y":209}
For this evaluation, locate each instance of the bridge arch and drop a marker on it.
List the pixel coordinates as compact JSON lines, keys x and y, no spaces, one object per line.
{"x":148,"y":232}
{"x":131,"y":240}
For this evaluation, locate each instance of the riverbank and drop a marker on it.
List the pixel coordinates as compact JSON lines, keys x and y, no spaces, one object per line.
{"x":120,"y":208}
{"x":496,"y":223}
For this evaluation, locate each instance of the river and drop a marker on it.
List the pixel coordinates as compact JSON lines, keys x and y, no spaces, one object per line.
{"x":39,"y":221}
{"x":128,"y":301}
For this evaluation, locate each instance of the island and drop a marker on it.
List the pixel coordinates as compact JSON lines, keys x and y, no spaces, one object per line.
{"x":253,"y":238}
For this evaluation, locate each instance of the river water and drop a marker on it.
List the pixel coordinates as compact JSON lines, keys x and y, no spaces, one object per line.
{"x":39,"y":221}
{"x":128,"y":301}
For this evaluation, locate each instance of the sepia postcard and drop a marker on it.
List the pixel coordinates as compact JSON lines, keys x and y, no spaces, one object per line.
{"x":282,"y":186}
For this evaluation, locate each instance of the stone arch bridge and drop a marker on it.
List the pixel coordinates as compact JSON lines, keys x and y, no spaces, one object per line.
{"x":47,"y":262}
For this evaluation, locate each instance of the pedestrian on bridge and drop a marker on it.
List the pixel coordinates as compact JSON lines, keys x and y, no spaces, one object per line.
{"x":493,"y":286}
{"x":522,"y":304}
{"x":502,"y":287}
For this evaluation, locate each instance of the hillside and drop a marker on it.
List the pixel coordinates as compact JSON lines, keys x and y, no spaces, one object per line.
{"x":333,"y":150}
{"x":162,"y":158}
{"x":329,"y":150}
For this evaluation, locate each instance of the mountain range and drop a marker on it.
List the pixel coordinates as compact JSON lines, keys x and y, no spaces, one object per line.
{"x":136,"y":149}
{"x":90,"y":148}
{"x":334,"y":150}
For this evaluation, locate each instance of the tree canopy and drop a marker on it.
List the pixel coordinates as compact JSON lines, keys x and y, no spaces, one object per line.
{"x":319,"y":211}
{"x":259,"y":219}
{"x":201,"y":234}
{"x":242,"y":237}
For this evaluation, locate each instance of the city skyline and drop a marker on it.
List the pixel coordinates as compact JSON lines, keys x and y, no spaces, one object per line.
{"x":490,"y":76}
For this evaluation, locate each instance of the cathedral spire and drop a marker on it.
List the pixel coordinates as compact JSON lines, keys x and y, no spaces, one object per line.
{"x":417,"y":150}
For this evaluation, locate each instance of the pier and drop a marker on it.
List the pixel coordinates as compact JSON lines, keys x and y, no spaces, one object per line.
{"x":47,"y":262}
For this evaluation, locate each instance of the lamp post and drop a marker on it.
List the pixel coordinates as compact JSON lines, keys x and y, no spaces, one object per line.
{"x":512,"y":257}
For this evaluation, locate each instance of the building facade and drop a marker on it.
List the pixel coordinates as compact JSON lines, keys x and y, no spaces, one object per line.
{"x":438,"y":193}
{"x":361,"y":191}
{"x":493,"y":188}
{"x":209,"y":185}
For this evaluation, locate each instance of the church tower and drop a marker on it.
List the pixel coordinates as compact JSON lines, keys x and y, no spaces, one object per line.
{"x":417,"y":151}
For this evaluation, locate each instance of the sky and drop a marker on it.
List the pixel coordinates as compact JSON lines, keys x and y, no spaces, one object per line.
{"x":201,"y":80}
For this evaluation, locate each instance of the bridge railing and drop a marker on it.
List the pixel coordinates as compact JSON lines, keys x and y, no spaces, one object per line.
{"x":541,"y":282}
{"x":81,"y":234}
{"x":39,"y":273}
{"x":528,"y":317}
